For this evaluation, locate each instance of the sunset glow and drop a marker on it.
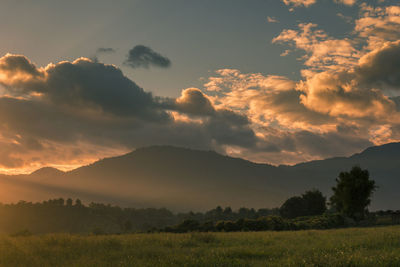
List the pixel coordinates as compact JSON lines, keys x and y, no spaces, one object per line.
{"x":336,"y":94}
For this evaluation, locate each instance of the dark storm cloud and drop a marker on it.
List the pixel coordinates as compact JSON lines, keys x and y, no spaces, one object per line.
{"x":86,"y":84}
{"x":86,"y":102}
{"x":50,"y":113}
{"x":223,"y":126}
{"x":230,"y":128}
{"x":83,"y":83}
{"x":144,"y":57}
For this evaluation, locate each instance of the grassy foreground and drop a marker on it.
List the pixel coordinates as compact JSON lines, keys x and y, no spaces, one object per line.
{"x":343,"y":247}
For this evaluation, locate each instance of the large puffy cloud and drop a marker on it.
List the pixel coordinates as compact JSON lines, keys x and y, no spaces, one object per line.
{"x":345,"y":78}
{"x":72,"y":113}
{"x":225,"y":126}
{"x":143,"y":57}
{"x":322,"y":116}
{"x":17,"y":71}
{"x":264,"y":99}
{"x":381,"y":67}
{"x":193,"y":101}
{"x":288,"y":131}
{"x":79,"y":84}
{"x":343,"y":102}
{"x":337,"y":95}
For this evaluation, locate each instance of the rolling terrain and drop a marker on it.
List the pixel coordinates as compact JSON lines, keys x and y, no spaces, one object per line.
{"x":184,"y":179}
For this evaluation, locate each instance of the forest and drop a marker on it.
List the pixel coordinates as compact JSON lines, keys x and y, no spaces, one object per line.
{"x":308,"y":211}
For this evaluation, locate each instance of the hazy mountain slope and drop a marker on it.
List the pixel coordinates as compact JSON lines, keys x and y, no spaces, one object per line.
{"x":183,"y":179}
{"x":383,"y":162}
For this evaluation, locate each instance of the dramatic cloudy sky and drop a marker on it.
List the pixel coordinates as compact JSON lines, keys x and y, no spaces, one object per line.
{"x":275,"y":81}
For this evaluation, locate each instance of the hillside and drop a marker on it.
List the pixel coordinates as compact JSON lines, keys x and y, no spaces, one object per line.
{"x":183,"y":179}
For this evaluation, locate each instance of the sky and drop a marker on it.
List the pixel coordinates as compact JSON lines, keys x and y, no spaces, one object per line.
{"x":272,"y":81}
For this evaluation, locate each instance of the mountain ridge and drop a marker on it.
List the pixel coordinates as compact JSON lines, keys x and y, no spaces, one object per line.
{"x":189,"y":179}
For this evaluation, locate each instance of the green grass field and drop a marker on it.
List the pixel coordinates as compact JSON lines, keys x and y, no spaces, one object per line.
{"x":343,"y":247}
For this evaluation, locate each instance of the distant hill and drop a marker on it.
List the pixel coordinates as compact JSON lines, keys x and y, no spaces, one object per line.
{"x":186,"y":179}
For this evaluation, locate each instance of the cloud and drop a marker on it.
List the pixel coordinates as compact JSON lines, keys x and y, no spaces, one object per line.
{"x":193,"y":101}
{"x":307,"y":3}
{"x":378,"y":24}
{"x":17,"y":71}
{"x":339,"y":79}
{"x":347,"y":98}
{"x":346,"y":2}
{"x":105,"y":50}
{"x":348,"y":19}
{"x":272,"y":19}
{"x":79,"y":84}
{"x":312,"y":119}
{"x":100,"y":51}
{"x":143,"y":57}
{"x":71,"y":113}
{"x":297,"y":3}
{"x":337,"y":94}
{"x":266,"y":100}
{"x":381,"y":67}
{"x":322,"y":51}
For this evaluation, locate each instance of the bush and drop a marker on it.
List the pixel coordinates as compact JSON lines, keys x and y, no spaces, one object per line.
{"x":276,"y":223}
{"x":188,"y":225}
{"x":271,"y":223}
{"x":207,"y":227}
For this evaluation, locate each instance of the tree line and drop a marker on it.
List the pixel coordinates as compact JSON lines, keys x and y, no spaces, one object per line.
{"x":348,"y":206}
{"x":311,"y":210}
{"x":72,"y":216}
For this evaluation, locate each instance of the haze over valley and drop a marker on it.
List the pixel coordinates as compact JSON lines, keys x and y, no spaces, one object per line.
{"x":183,"y":179}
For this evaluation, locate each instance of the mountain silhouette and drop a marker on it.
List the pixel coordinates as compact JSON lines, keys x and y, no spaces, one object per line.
{"x":185,"y":179}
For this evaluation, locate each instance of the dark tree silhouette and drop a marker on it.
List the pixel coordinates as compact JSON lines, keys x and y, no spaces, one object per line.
{"x":309,"y":204}
{"x":353,"y":192}
{"x":78,"y":202}
{"x":69,"y":202}
{"x":293,"y":207}
{"x":315,"y":202}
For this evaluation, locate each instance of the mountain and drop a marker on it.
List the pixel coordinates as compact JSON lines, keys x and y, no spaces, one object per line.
{"x":186,"y":179}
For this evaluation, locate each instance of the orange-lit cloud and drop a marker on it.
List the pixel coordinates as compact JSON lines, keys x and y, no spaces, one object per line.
{"x":297,"y":3}
{"x":346,"y":92}
{"x":71,"y":113}
{"x":307,"y":3}
{"x":323,"y":52}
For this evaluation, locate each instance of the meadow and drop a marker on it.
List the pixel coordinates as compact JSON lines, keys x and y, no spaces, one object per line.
{"x":378,"y":246}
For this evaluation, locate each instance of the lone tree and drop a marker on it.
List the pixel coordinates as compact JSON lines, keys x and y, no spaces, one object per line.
{"x":353,"y":192}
